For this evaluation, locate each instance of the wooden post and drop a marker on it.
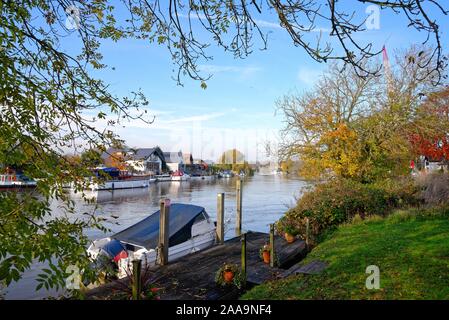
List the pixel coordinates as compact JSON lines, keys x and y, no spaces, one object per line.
{"x":220,"y":218}
{"x":163,"y":231}
{"x":307,"y":232}
{"x":239,"y":207}
{"x":243,"y":257}
{"x":272,"y":253}
{"x":137,"y":284}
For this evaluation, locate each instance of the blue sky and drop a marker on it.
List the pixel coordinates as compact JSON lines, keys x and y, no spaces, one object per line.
{"x":238,"y":107}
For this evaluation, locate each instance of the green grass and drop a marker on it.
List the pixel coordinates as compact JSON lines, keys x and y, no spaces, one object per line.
{"x":410,"y":247}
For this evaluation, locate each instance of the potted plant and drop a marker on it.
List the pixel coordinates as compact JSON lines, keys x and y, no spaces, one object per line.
{"x":290,"y":233}
{"x":228,"y":274}
{"x":265,"y":253}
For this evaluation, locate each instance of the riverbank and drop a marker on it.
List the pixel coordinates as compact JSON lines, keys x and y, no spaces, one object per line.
{"x":122,"y":208}
{"x":410,"y":247}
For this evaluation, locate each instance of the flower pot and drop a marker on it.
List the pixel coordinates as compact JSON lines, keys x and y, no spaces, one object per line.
{"x":228,"y":276}
{"x":290,"y":238}
{"x":266,"y":256}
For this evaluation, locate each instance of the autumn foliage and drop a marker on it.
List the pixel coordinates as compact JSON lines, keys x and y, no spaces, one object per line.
{"x":434,"y":145}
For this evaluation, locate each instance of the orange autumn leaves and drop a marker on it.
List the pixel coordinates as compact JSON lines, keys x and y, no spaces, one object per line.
{"x":336,"y":151}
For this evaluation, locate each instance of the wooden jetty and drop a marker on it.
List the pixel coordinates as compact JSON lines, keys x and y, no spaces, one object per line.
{"x":193,"y":276}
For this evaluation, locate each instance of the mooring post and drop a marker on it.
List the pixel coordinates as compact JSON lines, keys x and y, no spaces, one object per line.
{"x":307,"y":232}
{"x":272,"y":253}
{"x":220,"y":218}
{"x":239,"y":207}
{"x":163,"y":231}
{"x":243,"y":271}
{"x":137,"y":284}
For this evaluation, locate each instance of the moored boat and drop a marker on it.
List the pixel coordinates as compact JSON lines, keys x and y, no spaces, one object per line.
{"x":12,"y":180}
{"x":190,"y":230}
{"x":180,"y":176}
{"x":227,"y":174}
{"x":116,"y":179}
{"x":120,"y":184}
{"x":163,"y":177}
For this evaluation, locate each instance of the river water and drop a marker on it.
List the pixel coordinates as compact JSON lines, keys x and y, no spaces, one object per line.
{"x":265,"y":199}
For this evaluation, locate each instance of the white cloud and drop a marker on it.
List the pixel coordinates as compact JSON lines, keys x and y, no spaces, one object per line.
{"x":243,"y":71}
{"x":259,"y":22}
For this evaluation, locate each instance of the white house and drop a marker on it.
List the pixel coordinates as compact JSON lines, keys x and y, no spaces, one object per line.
{"x":146,"y":160}
{"x":174,"y":161}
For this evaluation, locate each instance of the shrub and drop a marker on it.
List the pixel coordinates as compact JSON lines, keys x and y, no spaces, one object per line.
{"x":332,"y":203}
{"x":434,"y":188}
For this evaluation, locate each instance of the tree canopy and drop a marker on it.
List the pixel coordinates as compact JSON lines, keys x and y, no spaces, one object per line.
{"x":50,"y":100}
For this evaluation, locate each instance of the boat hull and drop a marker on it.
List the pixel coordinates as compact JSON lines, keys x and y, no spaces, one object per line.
{"x":120,"y":184}
{"x":148,"y":258}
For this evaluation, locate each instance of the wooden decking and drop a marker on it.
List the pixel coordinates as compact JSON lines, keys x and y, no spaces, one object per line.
{"x":193,"y":276}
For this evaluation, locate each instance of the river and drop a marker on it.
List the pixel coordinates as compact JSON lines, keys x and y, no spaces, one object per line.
{"x":265,"y":199}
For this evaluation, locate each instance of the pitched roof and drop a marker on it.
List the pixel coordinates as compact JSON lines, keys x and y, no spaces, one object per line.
{"x":173,"y":157}
{"x":143,"y":153}
{"x":111,"y":151}
{"x":134,"y":154}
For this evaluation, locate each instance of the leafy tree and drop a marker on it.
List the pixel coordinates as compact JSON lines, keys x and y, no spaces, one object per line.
{"x":231,"y":157}
{"x":433,"y":144}
{"x":358,"y":128}
{"x":50,"y":101}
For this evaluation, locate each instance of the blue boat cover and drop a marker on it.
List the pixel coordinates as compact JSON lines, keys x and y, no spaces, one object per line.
{"x":146,"y":232}
{"x":113,"y":248}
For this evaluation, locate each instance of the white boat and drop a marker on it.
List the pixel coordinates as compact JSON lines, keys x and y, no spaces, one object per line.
{"x":16,"y":181}
{"x":190,"y":230}
{"x":120,"y":184}
{"x":180,"y":176}
{"x":227,"y":174}
{"x":163,"y":177}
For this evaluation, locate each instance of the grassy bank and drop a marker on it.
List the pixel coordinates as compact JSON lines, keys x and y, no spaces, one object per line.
{"x":411,"y":248}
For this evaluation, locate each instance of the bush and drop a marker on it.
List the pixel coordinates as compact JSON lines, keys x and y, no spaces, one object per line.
{"x":434,"y":188}
{"x":332,"y":203}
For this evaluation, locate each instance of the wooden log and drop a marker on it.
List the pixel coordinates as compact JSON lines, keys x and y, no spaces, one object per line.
{"x":272,"y":247}
{"x":164,"y":231}
{"x":239,"y":207}
{"x":243,"y":259}
{"x":136,"y":284}
{"x":220,"y":218}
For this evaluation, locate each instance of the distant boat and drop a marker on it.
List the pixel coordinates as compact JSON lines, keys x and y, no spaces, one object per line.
{"x":119,"y":180}
{"x":120,"y":184}
{"x":163,"y":177}
{"x":227,"y":174}
{"x":179,"y":176}
{"x":190,"y":230}
{"x":16,"y":181}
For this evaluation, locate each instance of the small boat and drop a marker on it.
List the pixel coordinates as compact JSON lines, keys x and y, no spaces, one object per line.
{"x":163,"y":177}
{"x":117,"y":179}
{"x":190,"y":230}
{"x":12,"y":180}
{"x":119,"y":184}
{"x":179,"y":176}
{"x":227,"y":174}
